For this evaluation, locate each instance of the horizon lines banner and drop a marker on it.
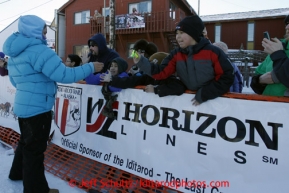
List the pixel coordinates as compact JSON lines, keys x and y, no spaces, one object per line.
{"x":240,"y":143}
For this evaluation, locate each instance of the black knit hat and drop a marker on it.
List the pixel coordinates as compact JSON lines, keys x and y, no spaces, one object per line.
{"x":140,"y":45}
{"x":193,"y":26}
{"x":286,"y":20}
{"x":150,"y":49}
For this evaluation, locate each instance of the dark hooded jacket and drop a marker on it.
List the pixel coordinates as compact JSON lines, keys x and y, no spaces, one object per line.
{"x":105,"y":54}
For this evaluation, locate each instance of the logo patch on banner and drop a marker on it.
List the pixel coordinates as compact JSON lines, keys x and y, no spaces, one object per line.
{"x":68,"y":109}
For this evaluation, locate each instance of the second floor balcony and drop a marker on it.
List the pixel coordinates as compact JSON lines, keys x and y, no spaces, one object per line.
{"x":163,"y":21}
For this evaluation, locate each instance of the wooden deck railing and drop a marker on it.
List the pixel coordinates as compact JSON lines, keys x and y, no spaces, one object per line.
{"x":164,"y":21}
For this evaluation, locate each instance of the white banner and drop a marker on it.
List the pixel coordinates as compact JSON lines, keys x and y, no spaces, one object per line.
{"x":228,"y":145}
{"x":7,"y":95}
{"x":223,"y":145}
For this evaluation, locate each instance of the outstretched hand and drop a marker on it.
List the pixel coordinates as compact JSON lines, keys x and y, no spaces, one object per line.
{"x":98,"y":66}
{"x":149,"y":88}
{"x":105,"y":77}
{"x":195,"y":102}
{"x":135,"y":56}
{"x":85,"y":58}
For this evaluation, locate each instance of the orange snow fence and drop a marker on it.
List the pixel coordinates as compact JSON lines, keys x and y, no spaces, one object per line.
{"x":85,"y":173}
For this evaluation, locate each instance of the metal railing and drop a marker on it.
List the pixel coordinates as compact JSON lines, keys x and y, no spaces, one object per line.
{"x":242,"y":58}
{"x":163,"y":21}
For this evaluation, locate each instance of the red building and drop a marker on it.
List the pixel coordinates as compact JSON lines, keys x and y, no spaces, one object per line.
{"x":246,"y":28}
{"x":155,"y":22}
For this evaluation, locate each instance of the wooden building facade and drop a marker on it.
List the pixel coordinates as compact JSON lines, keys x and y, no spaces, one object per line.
{"x":245,"y":29}
{"x":76,"y":24}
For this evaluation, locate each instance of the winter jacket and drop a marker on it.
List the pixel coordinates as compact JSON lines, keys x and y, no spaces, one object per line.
{"x":105,"y":54}
{"x":122,"y":67}
{"x":144,"y":65}
{"x":238,"y":80}
{"x":276,"y":89}
{"x":280,"y":71}
{"x":95,"y":80}
{"x":169,"y":86}
{"x":203,"y":68}
{"x":34,"y":68}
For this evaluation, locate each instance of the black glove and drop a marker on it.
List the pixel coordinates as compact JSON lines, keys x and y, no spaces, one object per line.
{"x":256,"y":86}
{"x":105,"y":91}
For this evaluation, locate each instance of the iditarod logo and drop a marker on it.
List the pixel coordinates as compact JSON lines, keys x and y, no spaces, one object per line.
{"x":68,"y":109}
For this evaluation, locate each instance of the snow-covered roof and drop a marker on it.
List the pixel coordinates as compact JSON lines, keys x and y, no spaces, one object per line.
{"x":262,"y":14}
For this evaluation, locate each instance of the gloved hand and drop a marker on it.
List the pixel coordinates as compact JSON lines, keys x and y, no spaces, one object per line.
{"x":105,"y":77}
{"x":134,"y":69}
{"x":105,"y":91}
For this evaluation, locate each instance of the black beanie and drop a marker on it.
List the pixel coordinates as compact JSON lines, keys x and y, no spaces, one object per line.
{"x":150,"y":49}
{"x":140,"y":45}
{"x":193,"y":26}
{"x":286,"y":20}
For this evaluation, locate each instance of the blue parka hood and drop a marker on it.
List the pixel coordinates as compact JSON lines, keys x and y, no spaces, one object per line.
{"x":35,"y":68}
{"x":31,"y":26}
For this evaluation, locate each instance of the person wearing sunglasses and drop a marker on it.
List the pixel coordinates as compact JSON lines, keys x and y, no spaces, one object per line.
{"x":3,"y":65}
{"x":100,"y":53}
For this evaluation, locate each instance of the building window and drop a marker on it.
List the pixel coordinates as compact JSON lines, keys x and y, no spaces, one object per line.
{"x":250,"y":32}
{"x":81,"y":50}
{"x":250,"y":36}
{"x":218,"y":33}
{"x":172,"y":11}
{"x":81,"y":17}
{"x":106,"y":12}
{"x":141,"y":7}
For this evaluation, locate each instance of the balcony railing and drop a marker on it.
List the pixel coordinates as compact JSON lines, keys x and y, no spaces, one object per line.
{"x":164,"y":21}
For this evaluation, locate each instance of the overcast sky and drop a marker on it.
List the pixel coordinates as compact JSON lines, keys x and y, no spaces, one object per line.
{"x":12,"y":9}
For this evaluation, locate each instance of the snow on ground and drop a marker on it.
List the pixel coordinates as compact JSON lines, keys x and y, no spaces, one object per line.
{"x":247,"y":90}
{"x":9,"y":186}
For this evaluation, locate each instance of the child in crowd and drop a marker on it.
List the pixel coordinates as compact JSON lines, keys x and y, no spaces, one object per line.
{"x":169,"y":86}
{"x":238,"y":78}
{"x":117,"y":68}
{"x":73,"y":60}
{"x":201,"y":66}
{"x":143,"y":51}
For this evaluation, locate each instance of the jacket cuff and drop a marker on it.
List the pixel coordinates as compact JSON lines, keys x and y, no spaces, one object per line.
{"x":156,"y":91}
{"x":277,"y":55}
{"x":198,"y":96}
{"x":274,"y":77}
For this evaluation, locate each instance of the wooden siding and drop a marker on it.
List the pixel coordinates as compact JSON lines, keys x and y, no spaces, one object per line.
{"x":158,"y":24}
{"x":234,"y":33}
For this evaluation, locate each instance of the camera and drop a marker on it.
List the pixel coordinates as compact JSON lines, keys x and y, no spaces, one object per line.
{"x":266,"y":35}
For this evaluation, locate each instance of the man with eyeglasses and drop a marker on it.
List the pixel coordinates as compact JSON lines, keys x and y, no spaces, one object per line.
{"x":274,"y":81}
{"x":99,"y":52}
{"x":3,"y":65}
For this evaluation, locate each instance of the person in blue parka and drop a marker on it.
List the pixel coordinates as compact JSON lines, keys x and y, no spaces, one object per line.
{"x":34,"y":70}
